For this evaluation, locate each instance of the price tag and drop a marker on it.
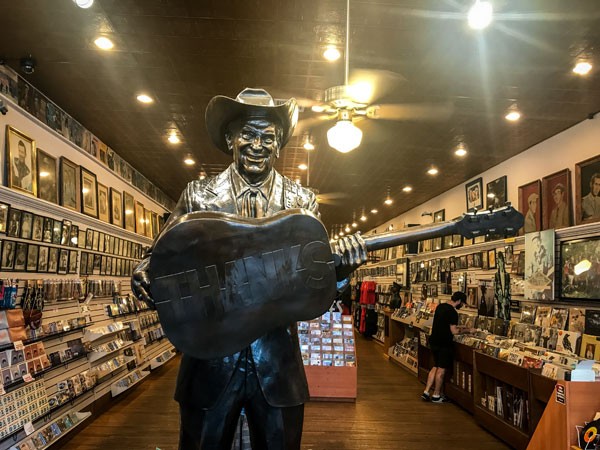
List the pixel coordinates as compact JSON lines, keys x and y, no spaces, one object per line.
{"x":18,"y":345}
{"x":510,"y":240}
{"x":27,"y":378}
{"x":28,"y":427}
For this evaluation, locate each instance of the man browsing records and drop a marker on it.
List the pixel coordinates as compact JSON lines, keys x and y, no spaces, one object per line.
{"x":445,"y":326}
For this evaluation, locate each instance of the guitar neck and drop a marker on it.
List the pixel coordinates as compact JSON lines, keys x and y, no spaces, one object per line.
{"x":413,"y":234}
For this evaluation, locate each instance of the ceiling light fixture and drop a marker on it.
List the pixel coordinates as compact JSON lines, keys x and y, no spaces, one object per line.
{"x":347,"y":229}
{"x":104,"y":43}
{"x":354,"y":224}
{"x":144,"y":98}
{"x":407,"y":188}
{"x":374,"y":211}
{"x":332,"y":53}
{"x":344,"y":136}
{"x":388,"y":201}
{"x":480,"y":14}
{"x":582,"y":68}
{"x":44,"y":174}
{"x":85,"y":4}
{"x":189,"y":161}
{"x":363,"y":217}
{"x":513,"y":115}
{"x":460,"y":150}
{"x":308,"y":145}
{"x":302,"y":166}
{"x":433,"y":171}
{"x":174,"y":139}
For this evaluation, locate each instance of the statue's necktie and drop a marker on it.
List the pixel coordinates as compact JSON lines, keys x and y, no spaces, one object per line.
{"x":253,"y":203}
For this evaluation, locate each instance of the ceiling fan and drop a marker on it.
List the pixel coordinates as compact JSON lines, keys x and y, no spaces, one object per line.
{"x":354,"y":101}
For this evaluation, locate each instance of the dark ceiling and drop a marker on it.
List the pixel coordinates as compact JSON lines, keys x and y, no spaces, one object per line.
{"x":184,"y":52}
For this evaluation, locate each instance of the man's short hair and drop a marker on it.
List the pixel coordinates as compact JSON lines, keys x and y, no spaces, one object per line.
{"x":532,"y":198}
{"x":559,"y":187}
{"x":593,"y":177}
{"x":459,"y":297}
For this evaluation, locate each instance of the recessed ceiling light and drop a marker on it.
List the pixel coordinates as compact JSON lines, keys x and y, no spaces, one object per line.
{"x":104,"y":43}
{"x":388,"y":201}
{"x":128,"y":212}
{"x":341,"y":233}
{"x":144,"y":98}
{"x":302,"y":166}
{"x":480,"y":14}
{"x":318,"y":108}
{"x":354,"y":224}
{"x":374,"y":211}
{"x":513,"y":116}
{"x":491,"y":195}
{"x":407,"y":188}
{"x":189,"y":161}
{"x":433,"y":171}
{"x":582,"y":68}
{"x":202,"y":175}
{"x":298,"y":181}
{"x":331,"y":53}
{"x":460,"y":151}
{"x":347,"y":229}
{"x":308,"y":146}
{"x":44,"y":174}
{"x":85,"y":4}
{"x":363,"y":218}
{"x":174,"y":139}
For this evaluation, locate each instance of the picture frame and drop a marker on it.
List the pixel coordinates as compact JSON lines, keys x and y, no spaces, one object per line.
{"x":32,"y":257}
{"x":21,"y":161}
{"x":37,"y":228}
{"x":155,"y":229}
{"x":83,"y":263}
{"x":103,"y":203}
{"x":63,"y":261}
{"x":140,"y":219}
{"x":580,"y":286}
{"x":65,"y":234}
{"x":89,"y":192}
{"x":116,"y":207}
{"x":4,"y":207}
{"x":474,"y":194}
{"x":69,"y":183}
{"x":26,"y":225}
{"x":47,"y":183}
{"x":557,"y":211}
{"x":587,"y":191}
{"x":47,"y":230}
{"x":74,"y":236}
{"x":20,"y":256}
{"x":57,"y":231}
{"x":53,"y":260}
{"x":81,"y":238}
{"x":491,"y":258}
{"x":496,"y":193}
{"x":7,"y":259}
{"x":539,"y":266}
{"x":530,"y":205}
{"x":437,"y":244}
{"x":89,"y":238}
{"x":148,"y":223}
{"x":42,"y":264}
{"x":96,"y":240}
{"x":14,"y":222}
{"x":72,"y":268}
{"x":129,"y":211}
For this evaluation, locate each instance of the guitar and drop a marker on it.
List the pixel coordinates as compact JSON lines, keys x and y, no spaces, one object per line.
{"x":220,"y":281}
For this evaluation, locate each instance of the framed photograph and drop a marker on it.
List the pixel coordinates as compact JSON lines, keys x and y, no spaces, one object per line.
{"x":83,"y":263}
{"x":56,"y":232}
{"x":116,"y":208}
{"x":491,"y":258}
{"x":140,"y":220}
{"x":69,"y":184}
{"x":26,"y":225}
{"x":496,"y":193}
{"x":72,"y":261}
{"x":47,"y":183}
{"x":539,"y":265}
{"x":81,"y":239}
{"x":89,"y":193}
{"x":556,"y":197}
{"x":96,"y":240}
{"x":101,"y":242}
{"x":436,"y":243}
{"x":148,"y":223}
{"x":63,"y":261}
{"x":14,"y":222}
{"x":66,"y":232}
{"x":129,"y":211}
{"x":32,"y":257}
{"x":587,"y":191}
{"x":530,"y":205}
{"x":37,"y":228}
{"x":74,"y":237}
{"x":578,"y":276}
{"x":155,"y":229}
{"x":103,"y":211}
{"x":53,"y":260}
{"x":21,"y":161}
{"x":20,"y":256}
{"x":8,"y":255}
{"x":42,"y":264}
{"x":4,"y":207}
{"x":474,"y":192}
{"x":89,"y":238}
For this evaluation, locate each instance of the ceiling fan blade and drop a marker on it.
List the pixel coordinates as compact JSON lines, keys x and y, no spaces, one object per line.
{"x":305,"y":124}
{"x":283,"y":96}
{"x":411,"y":111}
{"x":370,"y":85}
{"x":331,"y":198}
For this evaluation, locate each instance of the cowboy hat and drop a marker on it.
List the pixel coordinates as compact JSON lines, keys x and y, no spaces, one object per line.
{"x":250,"y":103}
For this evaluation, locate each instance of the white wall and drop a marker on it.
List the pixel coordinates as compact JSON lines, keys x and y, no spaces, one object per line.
{"x":564,"y":150}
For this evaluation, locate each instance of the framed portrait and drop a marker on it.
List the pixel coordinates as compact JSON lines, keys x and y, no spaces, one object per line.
{"x":96,"y":240}
{"x":578,"y":277}
{"x":140,"y":220}
{"x":129,"y":211}
{"x":8,"y":255}
{"x":83,"y":263}
{"x":74,"y":237}
{"x":69,"y":184}
{"x":161,"y":223}
{"x":63,"y":261}
{"x":47,"y":183}
{"x":37,"y":228}
{"x":436,"y":243}
{"x":148,"y":223}
{"x":53,"y":260}
{"x":72,"y":261}
{"x":26,"y":225}
{"x":81,"y":239}
{"x":32,"y":257}
{"x":103,"y":211}
{"x":89,"y":193}
{"x":4,"y":207}
{"x":556,"y":198}
{"x":101,"y":241}
{"x":106,"y":243}
{"x":491,"y":258}
{"x":155,"y":229}
{"x":14,"y":222}
{"x":89,"y":238}
{"x":530,"y":205}
{"x":587,"y":191}
{"x":539,"y":265}
{"x":474,"y":192}
{"x":116,"y":208}
{"x":496,"y":193}
{"x":47,"y":230}
{"x":42,"y":265}
{"x":66,"y":232}
{"x":20,"y":256}
{"x":21,"y":161}
{"x":57,"y":232}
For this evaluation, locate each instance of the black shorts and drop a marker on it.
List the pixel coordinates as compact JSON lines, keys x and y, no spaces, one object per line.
{"x":442,"y":356}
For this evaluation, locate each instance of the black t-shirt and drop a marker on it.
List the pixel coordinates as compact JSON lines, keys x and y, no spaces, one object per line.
{"x":445,"y":315}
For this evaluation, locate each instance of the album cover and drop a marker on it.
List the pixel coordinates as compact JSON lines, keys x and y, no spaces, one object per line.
{"x":590,"y":347}
{"x":542,"y":316}
{"x":539,"y":265}
{"x":549,"y":338}
{"x":558,"y":319}
{"x":528,"y":314}
{"x":592,"y":322}
{"x":568,"y":342}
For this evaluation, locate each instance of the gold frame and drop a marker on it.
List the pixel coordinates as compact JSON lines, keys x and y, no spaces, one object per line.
{"x":33,"y":160}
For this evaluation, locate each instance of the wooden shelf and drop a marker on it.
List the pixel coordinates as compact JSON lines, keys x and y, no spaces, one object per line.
{"x":511,"y":374}
{"x":403,"y":364}
{"x":332,"y":383}
{"x":514,"y":436}
{"x":459,"y":396}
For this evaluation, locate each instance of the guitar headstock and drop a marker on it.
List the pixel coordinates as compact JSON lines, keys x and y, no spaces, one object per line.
{"x":505,"y":220}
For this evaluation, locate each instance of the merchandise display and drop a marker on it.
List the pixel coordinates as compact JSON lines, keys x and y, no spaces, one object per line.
{"x":327,"y":341}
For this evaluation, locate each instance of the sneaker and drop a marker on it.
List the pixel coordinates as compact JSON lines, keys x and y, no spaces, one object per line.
{"x":426,"y":397}
{"x":441,"y":399}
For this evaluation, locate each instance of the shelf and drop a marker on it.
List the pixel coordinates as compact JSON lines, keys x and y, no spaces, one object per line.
{"x":509,"y":433}
{"x":81,"y":415}
{"x":154,"y":364}
{"x":511,"y":374}
{"x":403,"y":364}
{"x":97,"y":356}
{"x":459,"y":396}
{"x":90,"y":336}
{"x":116,"y":390}
{"x":102,"y":376}
{"x":45,"y":337}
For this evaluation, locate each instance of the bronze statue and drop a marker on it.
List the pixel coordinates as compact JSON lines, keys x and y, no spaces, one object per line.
{"x":266,"y":378}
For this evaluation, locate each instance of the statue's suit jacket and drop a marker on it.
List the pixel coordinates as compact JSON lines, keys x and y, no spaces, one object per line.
{"x":276,"y":355}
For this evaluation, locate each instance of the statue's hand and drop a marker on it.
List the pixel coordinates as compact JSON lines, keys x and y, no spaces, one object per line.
{"x":352,"y":253}
{"x":140,"y":283}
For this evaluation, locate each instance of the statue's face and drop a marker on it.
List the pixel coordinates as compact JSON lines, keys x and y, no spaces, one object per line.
{"x":255,"y":147}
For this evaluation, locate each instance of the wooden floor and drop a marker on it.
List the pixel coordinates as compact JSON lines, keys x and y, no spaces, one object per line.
{"x":388,"y":414}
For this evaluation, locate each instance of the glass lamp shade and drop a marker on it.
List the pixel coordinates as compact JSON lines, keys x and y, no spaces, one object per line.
{"x":344,"y":136}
